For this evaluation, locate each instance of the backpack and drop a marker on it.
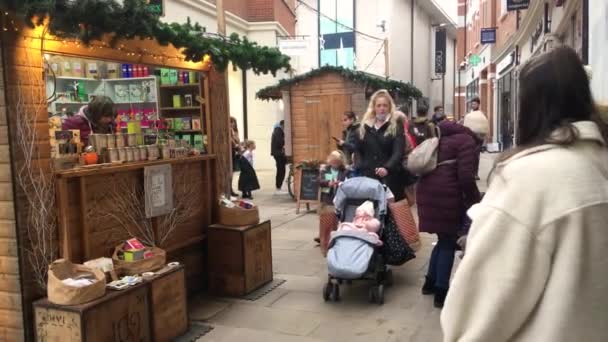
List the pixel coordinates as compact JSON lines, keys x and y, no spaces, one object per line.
{"x":423,"y":159}
{"x":421,"y":131}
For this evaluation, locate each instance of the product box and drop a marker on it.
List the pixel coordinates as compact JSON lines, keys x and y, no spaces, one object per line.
{"x":196,"y":124}
{"x":177,"y":101}
{"x":113,"y":70}
{"x":186,"y":124}
{"x":78,"y":67}
{"x":92,"y":70}
{"x":132,"y":244}
{"x":187,"y":138}
{"x":169,"y":124}
{"x":164,"y":76}
{"x":178,"y":124}
{"x":198,"y":142}
{"x":173,"y":76}
{"x":134,"y":255}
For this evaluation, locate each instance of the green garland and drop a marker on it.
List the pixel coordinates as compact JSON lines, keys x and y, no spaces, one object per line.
{"x":370,"y":81}
{"x":309,"y":165}
{"x":90,"y":20}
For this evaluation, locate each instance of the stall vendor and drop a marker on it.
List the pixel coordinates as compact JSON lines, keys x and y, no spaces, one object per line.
{"x":96,"y":117}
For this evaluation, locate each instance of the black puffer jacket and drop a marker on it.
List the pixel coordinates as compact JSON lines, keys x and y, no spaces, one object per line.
{"x":348,"y":147}
{"x":377,"y":149}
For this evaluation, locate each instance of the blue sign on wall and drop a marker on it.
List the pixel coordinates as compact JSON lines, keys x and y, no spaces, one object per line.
{"x":488,"y":35}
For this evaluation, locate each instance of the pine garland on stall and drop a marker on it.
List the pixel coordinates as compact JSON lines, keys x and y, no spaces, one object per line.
{"x":89,"y":20}
{"x":370,"y":81}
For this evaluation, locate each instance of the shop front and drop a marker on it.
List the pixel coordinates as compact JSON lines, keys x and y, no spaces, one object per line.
{"x":506,"y":100}
{"x":114,"y":149}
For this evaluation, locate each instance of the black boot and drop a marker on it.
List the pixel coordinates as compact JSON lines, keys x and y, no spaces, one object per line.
{"x":429,"y":286}
{"x":440,"y":295}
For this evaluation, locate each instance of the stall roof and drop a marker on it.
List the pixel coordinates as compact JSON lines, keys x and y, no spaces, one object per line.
{"x":370,"y":81}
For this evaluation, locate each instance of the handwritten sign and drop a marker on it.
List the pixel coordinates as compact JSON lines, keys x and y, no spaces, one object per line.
{"x":158,"y":186}
{"x":309,"y":188}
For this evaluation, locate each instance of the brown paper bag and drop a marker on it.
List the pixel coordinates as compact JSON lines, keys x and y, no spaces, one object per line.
{"x":402,"y":214}
{"x":328,"y":222}
{"x":62,"y":294}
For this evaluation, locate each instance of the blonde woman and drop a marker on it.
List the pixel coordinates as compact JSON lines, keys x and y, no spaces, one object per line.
{"x":380,"y":144}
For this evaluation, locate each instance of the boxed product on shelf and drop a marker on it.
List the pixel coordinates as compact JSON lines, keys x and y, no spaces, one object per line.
{"x":196,"y":124}
{"x":186,"y":124}
{"x":77,"y":67}
{"x":178,"y":124}
{"x":56,"y":65}
{"x":177,"y":101}
{"x":187,"y":138}
{"x":164,"y":76}
{"x":112,"y":70}
{"x":197,"y":140}
{"x":173,"y":76}
{"x":93,"y":69}
{"x":169,"y":123}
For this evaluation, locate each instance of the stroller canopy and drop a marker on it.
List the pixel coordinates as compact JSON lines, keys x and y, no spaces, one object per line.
{"x":362,"y":188}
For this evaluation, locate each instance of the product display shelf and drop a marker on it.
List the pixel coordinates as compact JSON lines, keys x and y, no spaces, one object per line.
{"x":75,"y":78}
{"x":180,"y":108}
{"x":129,"y":79}
{"x":177,"y":86}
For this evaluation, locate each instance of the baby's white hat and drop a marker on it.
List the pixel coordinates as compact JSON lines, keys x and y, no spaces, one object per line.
{"x":367,"y":207}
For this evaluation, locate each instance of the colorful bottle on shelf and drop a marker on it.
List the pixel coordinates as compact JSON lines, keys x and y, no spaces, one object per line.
{"x":125,"y":70}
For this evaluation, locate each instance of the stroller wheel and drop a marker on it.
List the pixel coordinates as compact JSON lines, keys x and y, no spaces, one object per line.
{"x":335,"y":293}
{"x":388,"y":278}
{"x":327,"y":289}
{"x":380,"y":294}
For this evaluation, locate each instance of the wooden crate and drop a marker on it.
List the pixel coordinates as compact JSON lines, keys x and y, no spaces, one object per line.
{"x":155,"y":310}
{"x":240,"y":258}
{"x":169,"y":310}
{"x":118,"y":316}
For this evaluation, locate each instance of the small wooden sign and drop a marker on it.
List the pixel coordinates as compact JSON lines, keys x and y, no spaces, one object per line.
{"x":309,"y":188}
{"x":158,"y":187}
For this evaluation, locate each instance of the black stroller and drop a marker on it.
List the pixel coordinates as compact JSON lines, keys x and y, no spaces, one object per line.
{"x":352,"y":255}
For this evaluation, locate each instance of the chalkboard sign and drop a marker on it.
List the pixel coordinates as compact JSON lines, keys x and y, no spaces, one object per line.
{"x":309,"y":187}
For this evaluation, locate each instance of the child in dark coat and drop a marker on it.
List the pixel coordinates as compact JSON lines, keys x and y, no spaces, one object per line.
{"x":248,"y":179}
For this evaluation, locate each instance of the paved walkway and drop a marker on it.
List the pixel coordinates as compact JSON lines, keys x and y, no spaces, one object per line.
{"x":295,"y":311}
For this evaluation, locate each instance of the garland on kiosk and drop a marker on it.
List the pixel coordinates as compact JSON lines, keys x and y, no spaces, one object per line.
{"x":370,"y":81}
{"x":89,"y":20}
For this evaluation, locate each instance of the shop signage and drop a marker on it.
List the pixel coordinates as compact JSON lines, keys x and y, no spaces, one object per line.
{"x":474,"y":60}
{"x":516,"y":5}
{"x":488,"y":35}
{"x":506,"y":62}
{"x":440,"y":52}
{"x":158,"y":188}
{"x":293,"y":47}
{"x":156,"y":7}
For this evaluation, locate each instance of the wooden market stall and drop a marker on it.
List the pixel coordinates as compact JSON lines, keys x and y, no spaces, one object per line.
{"x":317,"y":101}
{"x":90,"y":223}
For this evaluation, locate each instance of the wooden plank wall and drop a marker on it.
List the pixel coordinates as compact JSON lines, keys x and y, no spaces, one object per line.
{"x":24,"y":94}
{"x":219,"y":136}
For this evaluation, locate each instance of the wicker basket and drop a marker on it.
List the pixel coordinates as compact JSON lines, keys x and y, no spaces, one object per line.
{"x":62,"y":294}
{"x":238,"y":217}
{"x":153,"y":263}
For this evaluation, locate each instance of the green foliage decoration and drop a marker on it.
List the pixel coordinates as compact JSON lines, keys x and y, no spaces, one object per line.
{"x":370,"y":81}
{"x":89,"y":20}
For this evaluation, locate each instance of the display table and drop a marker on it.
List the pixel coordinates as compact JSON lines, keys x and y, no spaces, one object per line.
{"x":154,"y":310}
{"x":240,"y":258}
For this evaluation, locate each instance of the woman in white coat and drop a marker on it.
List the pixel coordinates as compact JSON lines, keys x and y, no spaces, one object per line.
{"x":536,"y":263}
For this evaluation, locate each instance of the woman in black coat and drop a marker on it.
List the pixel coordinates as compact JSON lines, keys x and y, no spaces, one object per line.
{"x":380,"y":144}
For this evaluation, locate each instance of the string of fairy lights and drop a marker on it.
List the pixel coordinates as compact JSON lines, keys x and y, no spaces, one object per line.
{"x":8,"y":24}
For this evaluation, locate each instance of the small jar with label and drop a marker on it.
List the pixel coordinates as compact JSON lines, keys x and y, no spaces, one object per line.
{"x":143,"y":153}
{"x":120,"y":140}
{"x":152,"y":152}
{"x":132,"y":139}
{"x":130,"y":154}
{"x":122,"y":154}
{"x":111,"y":140}
{"x":113,"y":155}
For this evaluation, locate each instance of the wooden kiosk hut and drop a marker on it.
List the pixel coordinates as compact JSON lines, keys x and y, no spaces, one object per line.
{"x":49,"y":212}
{"x":316,"y":101}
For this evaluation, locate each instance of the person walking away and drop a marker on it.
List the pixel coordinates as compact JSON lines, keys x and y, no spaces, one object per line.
{"x":96,"y":117}
{"x":422,"y":128}
{"x":248,"y":179}
{"x":380,"y":144}
{"x":277,"y":150}
{"x":535,"y":266}
{"x":410,"y":144}
{"x":477,"y":121}
{"x":235,"y":142}
{"x":332,"y":174}
{"x":443,"y":196}
{"x":350,"y":124}
{"x":438,"y":115}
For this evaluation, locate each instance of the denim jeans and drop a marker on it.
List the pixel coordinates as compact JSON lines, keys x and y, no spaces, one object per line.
{"x":442,"y":260}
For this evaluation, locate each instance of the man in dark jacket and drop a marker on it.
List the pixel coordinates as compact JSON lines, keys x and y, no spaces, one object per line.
{"x":349,"y":121}
{"x":277,"y":150}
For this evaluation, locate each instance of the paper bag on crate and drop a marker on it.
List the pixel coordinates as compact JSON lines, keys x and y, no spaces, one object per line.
{"x":61,"y":293}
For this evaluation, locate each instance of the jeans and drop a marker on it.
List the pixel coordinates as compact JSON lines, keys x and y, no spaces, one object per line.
{"x":281,"y":165}
{"x":442,"y":260}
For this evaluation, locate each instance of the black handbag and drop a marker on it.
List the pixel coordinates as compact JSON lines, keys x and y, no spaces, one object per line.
{"x":395,"y":250}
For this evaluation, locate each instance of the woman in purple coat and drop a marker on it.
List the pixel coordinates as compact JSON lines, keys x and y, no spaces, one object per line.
{"x":443,"y":196}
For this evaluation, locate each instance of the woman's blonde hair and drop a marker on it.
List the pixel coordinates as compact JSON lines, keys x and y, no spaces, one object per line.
{"x":370,"y":114}
{"x":336,"y":155}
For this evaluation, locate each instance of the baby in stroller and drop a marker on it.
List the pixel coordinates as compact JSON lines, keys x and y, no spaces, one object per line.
{"x":364,"y":221}
{"x":361,"y":206}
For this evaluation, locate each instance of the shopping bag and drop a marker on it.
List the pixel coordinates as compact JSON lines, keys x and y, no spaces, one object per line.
{"x":328,"y":222}
{"x":402,"y":214}
{"x":394,"y":249}
{"x":61,"y":293}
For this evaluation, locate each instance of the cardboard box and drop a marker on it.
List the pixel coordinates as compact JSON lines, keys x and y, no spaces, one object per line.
{"x":134,"y":255}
